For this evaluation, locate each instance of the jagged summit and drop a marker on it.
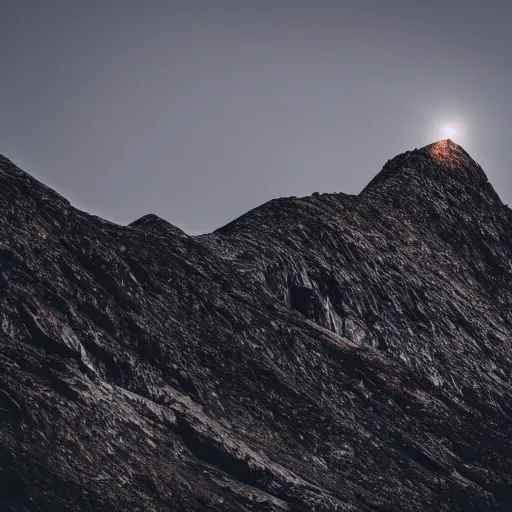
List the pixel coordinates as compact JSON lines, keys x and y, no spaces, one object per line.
{"x":442,"y":169}
{"x":448,"y":154}
{"x":443,"y":159}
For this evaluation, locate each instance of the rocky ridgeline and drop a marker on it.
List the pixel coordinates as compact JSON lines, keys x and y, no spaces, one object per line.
{"x":330,"y":353}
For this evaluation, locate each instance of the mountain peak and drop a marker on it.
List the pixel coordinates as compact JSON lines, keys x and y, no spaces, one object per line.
{"x":154,"y":223}
{"x":448,"y":153}
{"x":444,"y":165}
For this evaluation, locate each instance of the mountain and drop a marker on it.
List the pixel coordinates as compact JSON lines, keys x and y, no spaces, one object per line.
{"x":324,"y":353}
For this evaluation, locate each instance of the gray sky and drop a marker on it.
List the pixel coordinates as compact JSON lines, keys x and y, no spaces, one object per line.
{"x":200,"y":110}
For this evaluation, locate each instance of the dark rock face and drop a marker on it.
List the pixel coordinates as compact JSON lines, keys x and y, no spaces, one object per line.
{"x":332,"y":352}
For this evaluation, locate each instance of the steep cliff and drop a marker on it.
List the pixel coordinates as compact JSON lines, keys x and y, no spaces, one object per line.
{"x":330,"y":352}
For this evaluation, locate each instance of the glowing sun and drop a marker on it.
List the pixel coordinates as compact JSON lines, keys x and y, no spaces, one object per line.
{"x":449,"y":131}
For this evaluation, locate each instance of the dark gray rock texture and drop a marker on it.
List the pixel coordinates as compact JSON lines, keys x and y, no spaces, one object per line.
{"x":324,"y":353}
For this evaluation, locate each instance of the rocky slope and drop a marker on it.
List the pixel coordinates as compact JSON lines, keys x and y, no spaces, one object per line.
{"x":332,"y":352}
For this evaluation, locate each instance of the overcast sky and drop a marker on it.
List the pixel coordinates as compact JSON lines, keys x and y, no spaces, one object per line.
{"x":201,"y":110}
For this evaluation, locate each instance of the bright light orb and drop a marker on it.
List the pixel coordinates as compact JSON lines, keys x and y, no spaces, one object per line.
{"x":449,"y":131}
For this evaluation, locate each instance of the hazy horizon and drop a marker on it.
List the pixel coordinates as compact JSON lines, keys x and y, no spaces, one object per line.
{"x":199,"y":111}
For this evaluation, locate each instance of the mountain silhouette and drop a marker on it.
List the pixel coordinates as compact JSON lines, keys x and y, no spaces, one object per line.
{"x":330,"y":353}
